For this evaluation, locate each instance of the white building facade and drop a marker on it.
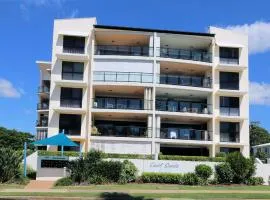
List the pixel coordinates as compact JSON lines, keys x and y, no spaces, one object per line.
{"x":143,"y":91}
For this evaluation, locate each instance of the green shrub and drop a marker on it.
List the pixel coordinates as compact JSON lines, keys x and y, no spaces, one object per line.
{"x":78,"y":170}
{"x":128,"y":173}
{"x":111,"y":170}
{"x":66,"y":181}
{"x":221,"y":154}
{"x":243,"y":168}
{"x":96,"y":179}
{"x":255,"y":181}
{"x":128,"y":156}
{"x":191,"y":179}
{"x":224,"y":173}
{"x":190,"y":158}
{"x":156,"y":177}
{"x":203,"y":171}
{"x":10,"y":161}
{"x":58,"y":153}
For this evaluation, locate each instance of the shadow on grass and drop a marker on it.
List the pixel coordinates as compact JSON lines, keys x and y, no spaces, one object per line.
{"x":120,"y":196}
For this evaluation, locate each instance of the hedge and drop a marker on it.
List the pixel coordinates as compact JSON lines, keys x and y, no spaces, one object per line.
{"x":153,"y":177}
{"x":104,"y":155}
{"x":191,"y":158}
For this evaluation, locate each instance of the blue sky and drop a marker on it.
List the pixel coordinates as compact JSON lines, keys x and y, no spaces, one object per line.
{"x":26,"y":36}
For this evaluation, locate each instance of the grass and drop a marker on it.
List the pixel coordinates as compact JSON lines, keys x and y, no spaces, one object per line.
{"x":163,"y":187}
{"x":141,"y":196}
{"x":11,"y":186}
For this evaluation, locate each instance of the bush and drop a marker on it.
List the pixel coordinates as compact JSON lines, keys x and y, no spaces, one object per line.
{"x":66,"y":181}
{"x":224,"y":173}
{"x":255,"y":181}
{"x":221,"y":154}
{"x":110,"y":170}
{"x":190,"y":158}
{"x":10,"y":161}
{"x":191,"y":179}
{"x":78,"y":170}
{"x":128,"y":156}
{"x":154,"y":177}
{"x":128,"y":173}
{"x":203,"y":171}
{"x":243,"y":168}
{"x":96,"y":179}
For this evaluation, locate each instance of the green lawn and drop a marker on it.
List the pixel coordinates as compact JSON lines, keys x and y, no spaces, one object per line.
{"x":11,"y":186}
{"x":142,"y":195}
{"x":163,"y":187}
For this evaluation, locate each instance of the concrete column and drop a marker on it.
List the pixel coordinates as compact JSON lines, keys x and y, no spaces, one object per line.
{"x":150,"y":125}
{"x":157,"y":126}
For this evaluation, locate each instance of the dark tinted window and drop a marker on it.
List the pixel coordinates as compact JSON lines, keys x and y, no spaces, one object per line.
{"x":229,"y":80}
{"x":232,"y":102}
{"x":226,"y":52}
{"x":229,"y":127}
{"x":74,"y":42}
{"x":71,"y":93}
{"x":70,"y":124}
{"x":72,"y":70}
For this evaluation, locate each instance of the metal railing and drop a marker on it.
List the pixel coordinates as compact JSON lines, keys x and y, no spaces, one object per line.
{"x":42,"y":122}
{"x":231,"y":61}
{"x":72,"y":76}
{"x":184,"y":54}
{"x":121,"y":131}
{"x":138,"y":77}
{"x":41,"y":134}
{"x":71,"y":103}
{"x":42,"y":106}
{"x":73,"y":50}
{"x":122,"y":103}
{"x":71,"y":132}
{"x":183,"y":106}
{"x":229,"y":111}
{"x":183,"y":134}
{"x":193,"y":81}
{"x":123,"y":50}
{"x":43,"y":89}
{"x":227,"y":137}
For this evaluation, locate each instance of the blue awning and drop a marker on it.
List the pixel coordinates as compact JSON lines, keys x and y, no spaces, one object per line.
{"x":57,"y":140}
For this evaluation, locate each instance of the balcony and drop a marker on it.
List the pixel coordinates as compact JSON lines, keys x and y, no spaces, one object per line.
{"x":183,"y":106}
{"x":43,"y":89}
{"x":184,"y":134}
{"x":121,"y":131}
{"x":70,"y":132}
{"x":71,"y":103}
{"x":195,"y":55}
{"x":73,"y":50}
{"x":192,"y":81}
{"x":136,"y":77}
{"x":41,"y":134}
{"x":229,"y":137}
{"x":229,"y":61}
{"x":122,"y":103}
{"x":229,"y":111}
{"x":42,"y":122}
{"x":123,"y":50}
{"x":42,"y":106}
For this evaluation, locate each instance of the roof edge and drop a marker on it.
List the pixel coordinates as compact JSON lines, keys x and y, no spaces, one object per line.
{"x":153,"y":30}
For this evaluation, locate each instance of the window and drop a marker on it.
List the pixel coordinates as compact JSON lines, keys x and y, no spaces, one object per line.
{"x":70,"y":124}
{"x":229,"y":106}
{"x":229,"y":131}
{"x":229,"y":55}
{"x":71,"y":97}
{"x":73,"y":44}
{"x":229,"y":150}
{"x":229,"y":80}
{"x":72,"y":70}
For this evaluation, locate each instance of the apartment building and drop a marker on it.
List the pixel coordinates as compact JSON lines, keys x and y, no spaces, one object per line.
{"x":144,"y":91}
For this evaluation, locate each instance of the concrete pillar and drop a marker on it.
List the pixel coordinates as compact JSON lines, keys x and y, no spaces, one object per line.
{"x":157,"y":126}
{"x":150,"y":125}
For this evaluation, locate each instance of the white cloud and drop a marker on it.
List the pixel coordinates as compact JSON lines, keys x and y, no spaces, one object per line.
{"x":259,"y":93}
{"x":8,"y":90}
{"x":258,"y":33}
{"x":74,"y":13}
